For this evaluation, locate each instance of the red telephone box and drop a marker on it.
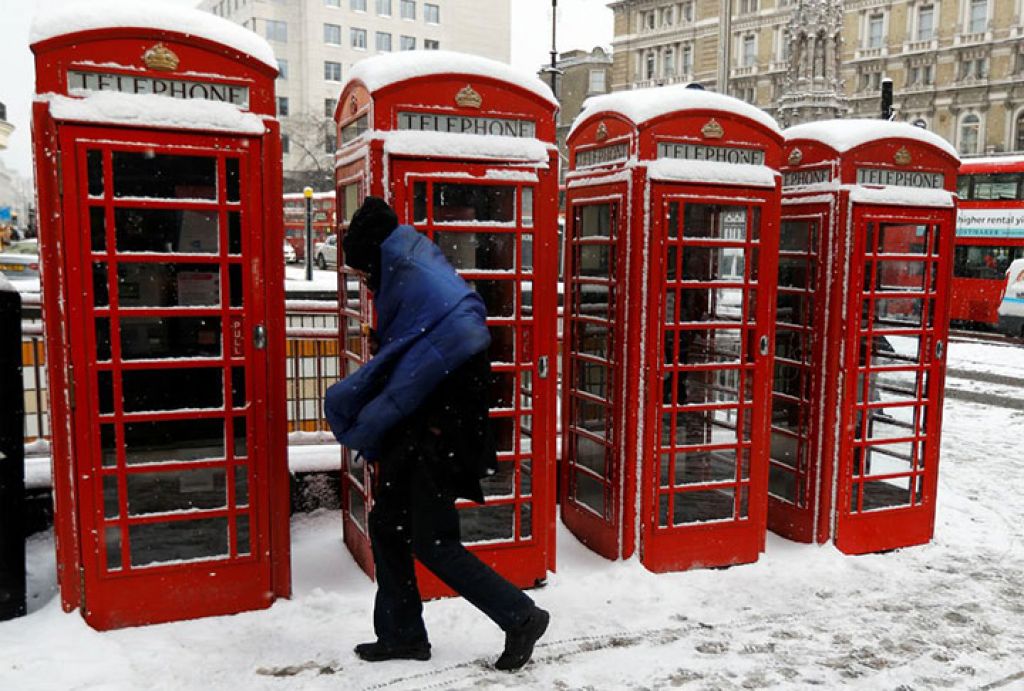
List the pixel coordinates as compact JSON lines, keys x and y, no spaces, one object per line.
{"x":672,"y":211}
{"x":158,"y":164}
{"x":463,"y":148}
{"x":865,"y":264}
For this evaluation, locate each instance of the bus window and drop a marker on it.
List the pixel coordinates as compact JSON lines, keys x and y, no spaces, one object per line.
{"x":996,"y":186}
{"x":963,"y":186}
{"x":984,"y":261}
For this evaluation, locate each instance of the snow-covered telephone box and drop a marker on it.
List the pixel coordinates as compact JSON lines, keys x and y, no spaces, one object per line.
{"x":158,"y":165}
{"x":463,"y":148}
{"x":865,"y":265}
{"x":672,"y":227}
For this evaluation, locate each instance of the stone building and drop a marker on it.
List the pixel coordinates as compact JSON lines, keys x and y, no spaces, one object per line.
{"x":957,"y":66}
{"x":316,"y":42}
{"x":579,"y":76}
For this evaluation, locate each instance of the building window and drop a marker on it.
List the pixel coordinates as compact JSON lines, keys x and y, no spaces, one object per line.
{"x":357,"y":5}
{"x":688,"y":11}
{"x":330,"y":138}
{"x":668,"y":62}
{"x":1020,"y":132}
{"x":431,"y":44}
{"x":384,"y":8}
{"x":282,"y":106}
{"x":875,"y":23}
{"x":407,"y":42}
{"x":979,"y":16}
{"x":282,"y":69}
{"x":650,"y":20}
{"x":871,"y":81}
{"x":667,"y":16}
{"x":332,"y":71}
{"x":970,"y":129}
{"x":926,"y":23}
{"x":332,"y":3}
{"x":974,"y":68}
{"x":358,"y":37}
{"x":431,"y":13}
{"x":408,"y":9}
{"x":286,"y":144}
{"x":332,"y":34}
{"x":747,"y":6}
{"x":276,"y":31}
{"x":928,"y":74}
{"x":649,"y":65}
{"x":687,"y":60}
{"x":329,"y":105}
{"x":749,"y":51}
{"x":383,"y":42}
{"x":597,"y":82}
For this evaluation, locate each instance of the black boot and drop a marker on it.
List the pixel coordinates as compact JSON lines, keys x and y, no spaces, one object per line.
{"x":379,"y":652}
{"x":519,"y":641}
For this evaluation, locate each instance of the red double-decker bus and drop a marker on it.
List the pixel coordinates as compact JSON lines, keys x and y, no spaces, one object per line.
{"x":295,"y":220}
{"x":989,"y":235}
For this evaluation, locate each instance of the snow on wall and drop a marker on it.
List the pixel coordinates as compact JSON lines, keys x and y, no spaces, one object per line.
{"x":641,"y":105}
{"x":148,"y":110}
{"x":450,"y":145}
{"x":104,"y":14}
{"x":711,"y":172}
{"x":843,"y":135}
{"x":903,"y":196}
{"x":380,"y":71}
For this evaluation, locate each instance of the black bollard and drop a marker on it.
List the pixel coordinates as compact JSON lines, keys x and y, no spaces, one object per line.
{"x":12,"y":456}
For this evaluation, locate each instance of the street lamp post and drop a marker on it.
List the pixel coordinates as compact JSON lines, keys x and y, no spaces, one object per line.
{"x":308,"y":194}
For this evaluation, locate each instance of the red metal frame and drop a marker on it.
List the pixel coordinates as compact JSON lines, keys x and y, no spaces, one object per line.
{"x":873,"y":400}
{"x":521,"y":338}
{"x":91,"y":489}
{"x":599,"y":525}
{"x":638,"y":495}
{"x":804,"y":290}
{"x":977,"y":299}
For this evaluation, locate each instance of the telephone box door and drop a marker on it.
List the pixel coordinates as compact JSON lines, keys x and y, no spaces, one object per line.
{"x":794,"y":479}
{"x":593,"y":374}
{"x":706,"y":473}
{"x":486,"y":230}
{"x":163,"y":238}
{"x":895,"y":357}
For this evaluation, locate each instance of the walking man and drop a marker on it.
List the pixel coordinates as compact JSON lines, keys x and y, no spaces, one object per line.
{"x":419,"y":410}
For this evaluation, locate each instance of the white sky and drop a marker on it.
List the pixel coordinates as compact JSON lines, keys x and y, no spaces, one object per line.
{"x":581,"y":24}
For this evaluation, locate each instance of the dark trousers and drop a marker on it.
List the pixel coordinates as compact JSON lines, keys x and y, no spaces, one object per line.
{"x":412,"y":516}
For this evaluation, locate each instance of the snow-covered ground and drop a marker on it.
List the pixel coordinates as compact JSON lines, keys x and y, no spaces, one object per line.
{"x":295,"y":279}
{"x":946,"y":615}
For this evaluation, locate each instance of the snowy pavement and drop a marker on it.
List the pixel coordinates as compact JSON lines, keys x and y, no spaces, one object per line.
{"x":946,"y":615}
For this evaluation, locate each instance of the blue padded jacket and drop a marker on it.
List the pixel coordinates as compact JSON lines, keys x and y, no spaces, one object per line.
{"x":429,"y":322}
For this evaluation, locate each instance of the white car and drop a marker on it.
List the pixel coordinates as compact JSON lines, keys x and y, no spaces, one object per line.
{"x":326,"y":254}
{"x":289,"y":253}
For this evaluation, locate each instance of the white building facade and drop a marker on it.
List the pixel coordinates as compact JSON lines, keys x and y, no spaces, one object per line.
{"x":316,"y":43}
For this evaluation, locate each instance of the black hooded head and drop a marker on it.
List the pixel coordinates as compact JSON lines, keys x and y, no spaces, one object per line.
{"x":371,"y":224}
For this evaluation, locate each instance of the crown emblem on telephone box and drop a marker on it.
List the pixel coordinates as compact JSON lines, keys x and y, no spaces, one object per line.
{"x":161,"y":58}
{"x":468,"y":97}
{"x":712,"y":130}
{"x":903,"y":156}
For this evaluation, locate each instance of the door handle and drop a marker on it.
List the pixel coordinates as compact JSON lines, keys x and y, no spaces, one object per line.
{"x":940,"y":348}
{"x":542,"y":367}
{"x":259,"y":337}
{"x":763,"y":345}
